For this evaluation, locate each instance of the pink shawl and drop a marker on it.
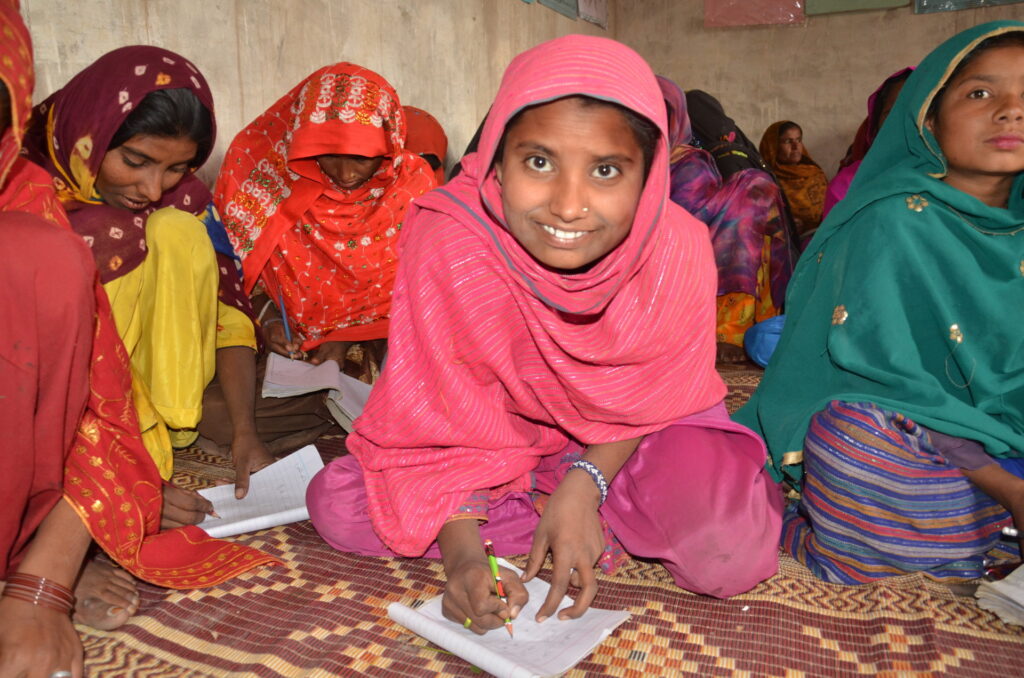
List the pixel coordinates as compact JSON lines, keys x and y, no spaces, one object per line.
{"x":496,"y":362}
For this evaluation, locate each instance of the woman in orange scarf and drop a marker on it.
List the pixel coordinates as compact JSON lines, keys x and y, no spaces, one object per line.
{"x":313,"y":195}
{"x":802,"y":180}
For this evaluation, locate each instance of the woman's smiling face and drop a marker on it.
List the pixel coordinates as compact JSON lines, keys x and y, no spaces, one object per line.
{"x":571,"y":175}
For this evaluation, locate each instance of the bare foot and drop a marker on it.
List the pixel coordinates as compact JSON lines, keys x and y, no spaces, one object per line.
{"x":106,"y":596}
{"x":730,"y":354}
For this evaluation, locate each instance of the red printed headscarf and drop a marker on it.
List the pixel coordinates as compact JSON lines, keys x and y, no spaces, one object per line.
{"x":330,"y":252}
{"x":496,"y":361}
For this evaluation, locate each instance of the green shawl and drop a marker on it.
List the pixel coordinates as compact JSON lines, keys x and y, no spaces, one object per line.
{"x":910,"y":296}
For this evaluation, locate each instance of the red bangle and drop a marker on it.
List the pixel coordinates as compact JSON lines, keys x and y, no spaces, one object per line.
{"x":36,"y":590}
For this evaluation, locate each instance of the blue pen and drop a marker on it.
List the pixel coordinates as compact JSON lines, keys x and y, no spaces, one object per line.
{"x":284,"y":321}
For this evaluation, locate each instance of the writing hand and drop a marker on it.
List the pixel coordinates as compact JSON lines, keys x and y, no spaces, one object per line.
{"x":275,"y":339}
{"x":183,"y":507}
{"x":470,"y":594}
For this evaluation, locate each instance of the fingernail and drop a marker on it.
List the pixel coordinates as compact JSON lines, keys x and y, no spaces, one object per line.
{"x":541,"y":619}
{"x":112,"y":611}
{"x":516,"y":609}
{"x":214,"y":513}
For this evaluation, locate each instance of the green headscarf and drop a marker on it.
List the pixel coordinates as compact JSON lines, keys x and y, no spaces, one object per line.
{"x":910,"y":296}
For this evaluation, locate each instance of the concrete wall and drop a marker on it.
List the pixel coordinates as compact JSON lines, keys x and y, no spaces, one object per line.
{"x":445,"y":56}
{"x":819,"y":74}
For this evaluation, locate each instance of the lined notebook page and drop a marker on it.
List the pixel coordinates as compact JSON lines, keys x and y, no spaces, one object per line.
{"x":546,"y":649}
{"x":277,"y":496}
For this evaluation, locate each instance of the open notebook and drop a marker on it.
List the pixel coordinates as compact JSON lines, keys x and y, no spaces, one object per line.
{"x":547,"y":649}
{"x":277,"y":496}
{"x":346,"y":396}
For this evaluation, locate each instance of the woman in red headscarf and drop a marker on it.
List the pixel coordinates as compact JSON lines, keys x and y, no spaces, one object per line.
{"x":314,"y":194}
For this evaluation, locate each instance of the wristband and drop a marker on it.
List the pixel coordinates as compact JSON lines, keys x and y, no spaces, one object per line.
{"x":40,"y":591}
{"x":595,"y":475}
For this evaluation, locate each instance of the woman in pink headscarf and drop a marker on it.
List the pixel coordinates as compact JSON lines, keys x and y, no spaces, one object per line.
{"x":550,"y":383}
{"x":880,"y":103}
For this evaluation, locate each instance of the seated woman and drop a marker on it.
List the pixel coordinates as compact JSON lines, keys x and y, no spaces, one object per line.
{"x":745,"y":216}
{"x":802,"y":181}
{"x":314,"y":194}
{"x":426,"y":139}
{"x":122,"y":140}
{"x":70,"y":426}
{"x":899,"y":379}
{"x":551,"y":381}
{"x":880,"y":103}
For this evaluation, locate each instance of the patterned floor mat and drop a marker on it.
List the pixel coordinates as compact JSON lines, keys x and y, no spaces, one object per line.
{"x":323,"y":615}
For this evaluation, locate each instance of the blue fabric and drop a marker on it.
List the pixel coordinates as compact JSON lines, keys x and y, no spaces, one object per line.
{"x":761,"y":339}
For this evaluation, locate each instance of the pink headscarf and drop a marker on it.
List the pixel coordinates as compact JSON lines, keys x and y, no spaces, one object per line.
{"x":496,"y":361}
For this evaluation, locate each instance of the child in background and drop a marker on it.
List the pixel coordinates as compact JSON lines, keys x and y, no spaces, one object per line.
{"x":899,"y":379}
{"x":551,"y":381}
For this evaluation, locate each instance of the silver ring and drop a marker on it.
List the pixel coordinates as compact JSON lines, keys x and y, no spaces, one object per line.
{"x":60,"y":674}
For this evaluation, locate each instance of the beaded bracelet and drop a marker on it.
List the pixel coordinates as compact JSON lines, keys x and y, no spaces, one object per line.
{"x":595,"y":475}
{"x":41,"y":591}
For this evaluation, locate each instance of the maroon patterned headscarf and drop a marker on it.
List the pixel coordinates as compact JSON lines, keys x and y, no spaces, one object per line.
{"x":71,"y":132}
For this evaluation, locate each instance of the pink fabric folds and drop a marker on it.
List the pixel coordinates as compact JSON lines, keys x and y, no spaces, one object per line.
{"x":694,"y":496}
{"x":495,"y":361}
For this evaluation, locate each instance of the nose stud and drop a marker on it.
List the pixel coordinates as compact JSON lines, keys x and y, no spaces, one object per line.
{"x":585,"y":209}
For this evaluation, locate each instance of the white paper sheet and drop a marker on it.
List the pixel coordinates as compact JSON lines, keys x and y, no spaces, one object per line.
{"x":546,"y":649}
{"x":277,"y":496}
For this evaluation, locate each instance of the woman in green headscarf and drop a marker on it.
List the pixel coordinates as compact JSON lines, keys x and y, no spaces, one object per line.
{"x":895,"y":400}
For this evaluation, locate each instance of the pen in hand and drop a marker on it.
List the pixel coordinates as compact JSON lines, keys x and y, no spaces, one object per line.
{"x":498,"y":585}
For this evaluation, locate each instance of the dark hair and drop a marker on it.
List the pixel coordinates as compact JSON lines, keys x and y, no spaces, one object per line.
{"x":170,"y":113}
{"x":1010,"y":39}
{"x":431,"y":159}
{"x":788,"y":125}
{"x":885,"y":91}
{"x":644,"y":131}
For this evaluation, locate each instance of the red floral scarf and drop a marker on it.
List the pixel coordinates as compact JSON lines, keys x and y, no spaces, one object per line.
{"x":330,"y":252}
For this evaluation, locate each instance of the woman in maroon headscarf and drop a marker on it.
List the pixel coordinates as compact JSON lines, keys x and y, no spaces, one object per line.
{"x":121,"y":141}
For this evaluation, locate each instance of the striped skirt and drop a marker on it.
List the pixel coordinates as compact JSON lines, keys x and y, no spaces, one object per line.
{"x":879,"y":500}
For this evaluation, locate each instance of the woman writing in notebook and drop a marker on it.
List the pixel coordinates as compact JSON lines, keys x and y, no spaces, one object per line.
{"x":550,"y":382}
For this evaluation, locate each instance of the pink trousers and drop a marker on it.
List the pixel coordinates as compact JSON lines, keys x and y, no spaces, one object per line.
{"x":694,"y":496}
